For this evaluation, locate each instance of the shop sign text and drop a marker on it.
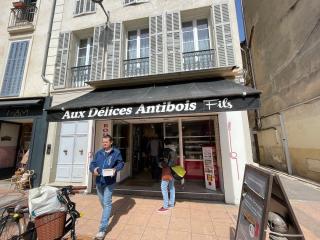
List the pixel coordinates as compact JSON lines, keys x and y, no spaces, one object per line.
{"x":142,"y":109}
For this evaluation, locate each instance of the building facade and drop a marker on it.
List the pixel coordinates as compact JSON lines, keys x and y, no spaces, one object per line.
{"x":284,"y":50}
{"x":153,"y":71}
{"x":23,"y":96}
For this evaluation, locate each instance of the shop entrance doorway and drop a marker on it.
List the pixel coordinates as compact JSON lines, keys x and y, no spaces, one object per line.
{"x":147,"y":148}
{"x":190,"y":135}
{"x":15,"y":142}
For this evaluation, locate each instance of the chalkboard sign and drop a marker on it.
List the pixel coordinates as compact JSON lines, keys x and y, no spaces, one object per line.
{"x":262,"y":192}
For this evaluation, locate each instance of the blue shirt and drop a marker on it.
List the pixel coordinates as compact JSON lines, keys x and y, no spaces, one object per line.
{"x":104,"y":160}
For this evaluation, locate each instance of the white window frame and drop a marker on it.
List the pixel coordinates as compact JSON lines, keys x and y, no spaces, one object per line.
{"x":138,"y":49}
{"x":88,"y":56}
{"x":75,"y":14}
{"x":195,"y":34}
{"x":132,"y":2}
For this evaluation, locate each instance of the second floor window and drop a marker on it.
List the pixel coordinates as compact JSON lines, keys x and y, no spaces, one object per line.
{"x":138,"y":44}
{"x":81,"y":72}
{"x":84,"y":6}
{"x":84,"y":52}
{"x":15,"y":68}
{"x":137,"y":63}
{"x":196,"y":45}
{"x":195,"y":35}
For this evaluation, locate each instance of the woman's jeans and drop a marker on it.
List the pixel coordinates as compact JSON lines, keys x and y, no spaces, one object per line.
{"x":164,"y":189}
{"x":105,"y":197}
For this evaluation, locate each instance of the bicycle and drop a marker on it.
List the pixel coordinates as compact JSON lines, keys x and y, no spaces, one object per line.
{"x":12,"y":228}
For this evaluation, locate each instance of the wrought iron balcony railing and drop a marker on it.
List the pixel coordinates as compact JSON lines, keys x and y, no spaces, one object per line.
{"x":22,"y":16}
{"x":80,"y":75}
{"x":136,"y":67}
{"x":198,"y":60}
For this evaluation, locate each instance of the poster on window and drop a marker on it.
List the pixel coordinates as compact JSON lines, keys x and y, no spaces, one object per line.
{"x":208,"y":164}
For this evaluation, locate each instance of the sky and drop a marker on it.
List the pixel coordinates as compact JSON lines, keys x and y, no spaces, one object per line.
{"x":240,"y":20}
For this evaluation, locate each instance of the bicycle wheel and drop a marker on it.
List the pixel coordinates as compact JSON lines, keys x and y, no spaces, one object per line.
{"x":9,"y":228}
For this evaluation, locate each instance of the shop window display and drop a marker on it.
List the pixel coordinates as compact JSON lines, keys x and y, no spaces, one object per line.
{"x":196,"y":134}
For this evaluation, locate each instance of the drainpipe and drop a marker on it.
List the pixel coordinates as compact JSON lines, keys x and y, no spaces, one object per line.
{"x":44,"y":66}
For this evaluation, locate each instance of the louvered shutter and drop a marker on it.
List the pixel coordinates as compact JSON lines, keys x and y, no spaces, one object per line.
{"x":98,"y":51}
{"x":223,"y":35}
{"x":15,"y":68}
{"x":173,"y":27}
{"x":156,"y":44}
{"x":114,"y":36}
{"x":61,"y":66}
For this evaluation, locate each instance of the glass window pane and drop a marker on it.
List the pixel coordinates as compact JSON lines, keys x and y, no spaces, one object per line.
{"x":144,"y":33}
{"x":198,"y":128}
{"x":188,"y":37}
{"x":144,"y":43}
{"x":202,"y":24}
{"x":144,"y":52}
{"x":204,"y":45}
{"x":171,"y":129}
{"x":132,"y":54}
{"x":197,"y":134}
{"x":187,"y":26}
{"x":132,"y":44}
{"x":83,"y":43}
{"x":188,"y":47}
{"x":132,"y":35}
{"x":203,"y":34}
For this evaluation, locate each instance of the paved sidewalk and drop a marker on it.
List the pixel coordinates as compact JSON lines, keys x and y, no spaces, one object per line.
{"x":305,"y":201}
{"x":137,"y":218}
{"x":9,"y":196}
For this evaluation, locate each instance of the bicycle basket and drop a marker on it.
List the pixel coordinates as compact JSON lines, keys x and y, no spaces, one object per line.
{"x":50,"y":226}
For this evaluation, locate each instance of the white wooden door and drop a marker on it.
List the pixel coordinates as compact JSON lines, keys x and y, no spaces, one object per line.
{"x":80,"y":156}
{"x":65,"y":159}
{"x":72,"y":157}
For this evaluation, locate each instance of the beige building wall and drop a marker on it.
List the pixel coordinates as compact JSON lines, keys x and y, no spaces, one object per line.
{"x":32,"y":84}
{"x":285,"y":51}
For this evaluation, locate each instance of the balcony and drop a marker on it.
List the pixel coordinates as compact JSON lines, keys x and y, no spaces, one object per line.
{"x":198,"y":60}
{"x":21,"y":19}
{"x":136,"y":67}
{"x":80,"y":75}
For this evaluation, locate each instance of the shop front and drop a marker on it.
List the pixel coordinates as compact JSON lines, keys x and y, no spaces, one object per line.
{"x":205,"y":123}
{"x":23,"y":131}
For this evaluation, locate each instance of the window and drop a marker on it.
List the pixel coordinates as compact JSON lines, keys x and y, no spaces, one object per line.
{"x":196,"y":46}
{"x":120,"y":139}
{"x":130,"y":2}
{"x":195,"y":35}
{"x":138,"y":44}
{"x":137,"y":63}
{"x":84,"y":52}
{"x":84,"y":6}
{"x":15,"y":68}
{"x":81,"y":73}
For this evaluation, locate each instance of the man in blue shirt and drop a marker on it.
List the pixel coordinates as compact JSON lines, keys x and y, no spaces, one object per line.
{"x":106,"y":158}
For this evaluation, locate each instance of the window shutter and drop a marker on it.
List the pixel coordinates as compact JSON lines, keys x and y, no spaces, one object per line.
{"x":15,"y":68}
{"x":114,"y":36}
{"x":173,"y":27}
{"x":223,"y":35}
{"x":156,"y":44}
{"x":61,"y":66}
{"x":98,"y":51}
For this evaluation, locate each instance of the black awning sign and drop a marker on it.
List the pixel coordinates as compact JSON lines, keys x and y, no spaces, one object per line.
{"x":142,"y":109}
{"x":164,"y":108}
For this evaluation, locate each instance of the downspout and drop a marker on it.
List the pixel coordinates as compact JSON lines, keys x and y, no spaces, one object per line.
{"x":44,"y":66}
